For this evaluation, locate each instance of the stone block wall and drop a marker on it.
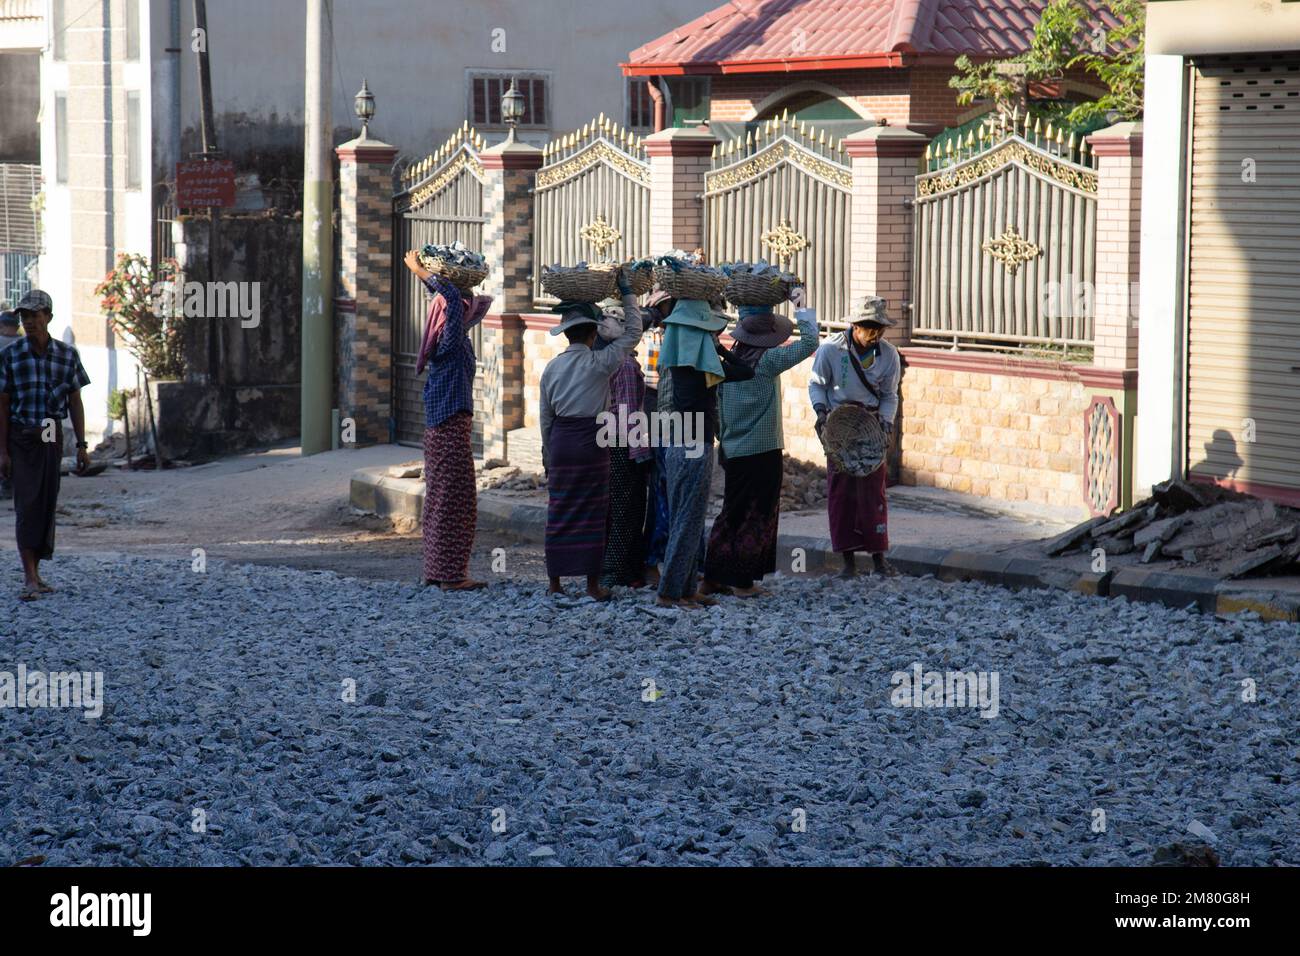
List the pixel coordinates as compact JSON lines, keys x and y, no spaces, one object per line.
{"x":1014,"y":436}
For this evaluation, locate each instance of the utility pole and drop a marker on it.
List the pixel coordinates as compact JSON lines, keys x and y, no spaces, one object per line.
{"x":210,"y":152}
{"x":318,"y":236}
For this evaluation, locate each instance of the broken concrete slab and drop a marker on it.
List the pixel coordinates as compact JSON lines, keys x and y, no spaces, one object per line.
{"x":1259,"y":561}
{"x":1129,"y":519}
{"x":1159,"y":531}
{"x":1076,"y":537}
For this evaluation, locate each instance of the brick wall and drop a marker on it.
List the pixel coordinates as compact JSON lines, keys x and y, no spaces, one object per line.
{"x":917,"y":96}
{"x":1008,"y":436}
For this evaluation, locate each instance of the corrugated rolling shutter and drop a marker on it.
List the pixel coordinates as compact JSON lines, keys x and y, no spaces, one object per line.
{"x":1244,"y":271}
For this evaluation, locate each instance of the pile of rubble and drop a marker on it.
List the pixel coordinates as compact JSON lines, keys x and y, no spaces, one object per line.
{"x":804,"y":488}
{"x":1222,"y":532}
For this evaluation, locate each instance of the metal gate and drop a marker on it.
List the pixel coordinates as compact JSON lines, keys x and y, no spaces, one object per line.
{"x":782,"y":193}
{"x":1005,"y":241}
{"x":441,"y":201}
{"x":592,"y":200}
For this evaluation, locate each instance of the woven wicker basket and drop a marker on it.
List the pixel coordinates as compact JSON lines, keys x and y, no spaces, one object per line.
{"x":744,"y":288}
{"x":854,"y":440}
{"x":593,"y":284}
{"x":641,"y":280}
{"x":690,"y":283}
{"x":461,"y":277}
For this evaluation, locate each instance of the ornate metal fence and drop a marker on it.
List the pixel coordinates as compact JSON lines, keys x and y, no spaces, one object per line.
{"x":1006,"y":240}
{"x":782,"y":193}
{"x":440,"y":201}
{"x":592,"y":199}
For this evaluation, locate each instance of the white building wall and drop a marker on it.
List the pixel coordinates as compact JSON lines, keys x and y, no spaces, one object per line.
{"x":415,"y":56}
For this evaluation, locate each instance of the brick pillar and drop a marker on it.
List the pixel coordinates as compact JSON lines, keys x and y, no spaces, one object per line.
{"x":885,"y":167}
{"x":679,"y":158}
{"x":363,"y":308}
{"x":510,"y":169}
{"x":1119,"y":237}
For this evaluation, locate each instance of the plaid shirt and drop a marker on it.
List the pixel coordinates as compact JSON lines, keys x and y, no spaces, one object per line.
{"x":450,"y":386}
{"x":38,"y":386}
{"x":627,"y":389}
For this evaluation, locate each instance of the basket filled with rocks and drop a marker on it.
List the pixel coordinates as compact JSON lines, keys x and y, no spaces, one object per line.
{"x":684,"y":276}
{"x":757,"y":283}
{"x":854,"y":440}
{"x":461,"y":266}
{"x":581,"y":282}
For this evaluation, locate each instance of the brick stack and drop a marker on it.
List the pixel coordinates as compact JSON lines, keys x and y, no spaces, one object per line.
{"x":1119,"y":237}
{"x":363,"y":307}
{"x":679,"y":158}
{"x":510,"y":169}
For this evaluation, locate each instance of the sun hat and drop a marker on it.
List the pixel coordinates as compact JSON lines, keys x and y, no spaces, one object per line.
{"x":576,"y":313}
{"x":697,"y":314}
{"x":871,"y":311}
{"x":761,"y":327}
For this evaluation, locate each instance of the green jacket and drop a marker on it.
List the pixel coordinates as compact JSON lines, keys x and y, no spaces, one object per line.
{"x":750,"y":412}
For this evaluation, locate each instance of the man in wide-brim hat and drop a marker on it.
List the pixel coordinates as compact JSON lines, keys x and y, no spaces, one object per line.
{"x":742,"y":543}
{"x":858,"y":366}
{"x":574,"y":395}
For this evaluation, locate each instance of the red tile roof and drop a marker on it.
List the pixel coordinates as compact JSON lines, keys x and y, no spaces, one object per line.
{"x":767,"y":35}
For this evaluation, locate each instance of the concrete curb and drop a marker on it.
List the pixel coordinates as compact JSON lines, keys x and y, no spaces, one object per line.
{"x":373,"y":490}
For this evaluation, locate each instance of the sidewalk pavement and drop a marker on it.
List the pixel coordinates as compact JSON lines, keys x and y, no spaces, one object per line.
{"x":952,"y":536}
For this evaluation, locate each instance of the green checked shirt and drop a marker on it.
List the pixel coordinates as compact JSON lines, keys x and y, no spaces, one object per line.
{"x":749,"y":412}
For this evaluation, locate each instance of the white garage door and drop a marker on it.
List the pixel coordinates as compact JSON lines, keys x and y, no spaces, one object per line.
{"x":1243,"y":374}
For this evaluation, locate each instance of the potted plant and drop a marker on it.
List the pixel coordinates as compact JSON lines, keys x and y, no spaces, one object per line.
{"x":137,"y":297}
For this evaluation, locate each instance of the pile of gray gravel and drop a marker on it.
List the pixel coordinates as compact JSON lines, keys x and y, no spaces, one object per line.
{"x":505,"y":727}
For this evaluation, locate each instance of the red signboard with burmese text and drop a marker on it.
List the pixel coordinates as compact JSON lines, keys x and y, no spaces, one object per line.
{"x":205,"y":184}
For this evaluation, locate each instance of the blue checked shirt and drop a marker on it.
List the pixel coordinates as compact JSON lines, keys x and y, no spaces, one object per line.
{"x":449,"y":389}
{"x":38,"y":386}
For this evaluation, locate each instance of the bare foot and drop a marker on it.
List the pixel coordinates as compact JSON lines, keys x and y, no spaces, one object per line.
{"x":466,"y":585}
{"x":883,"y":567}
{"x":598,"y":594}
{"x":751,"y":592}
{"x":708,"y":587}
{"x":667,"y":602}
{"x":703,"y":600}
{"x":651,"y":576}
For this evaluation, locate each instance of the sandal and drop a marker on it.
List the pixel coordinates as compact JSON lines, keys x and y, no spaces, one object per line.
{"x":29,"y":592}
{"x":43,"y":587}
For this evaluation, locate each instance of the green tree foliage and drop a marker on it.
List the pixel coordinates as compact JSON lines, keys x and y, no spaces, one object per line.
{"x":1060,"y":41}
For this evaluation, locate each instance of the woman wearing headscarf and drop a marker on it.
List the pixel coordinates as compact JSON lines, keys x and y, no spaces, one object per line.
{"x":742,"y":544}
{"x":451,"y":496}
{"x":574,"y":394}
{"x":858,"y":366}
{"x":691,"y":366}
